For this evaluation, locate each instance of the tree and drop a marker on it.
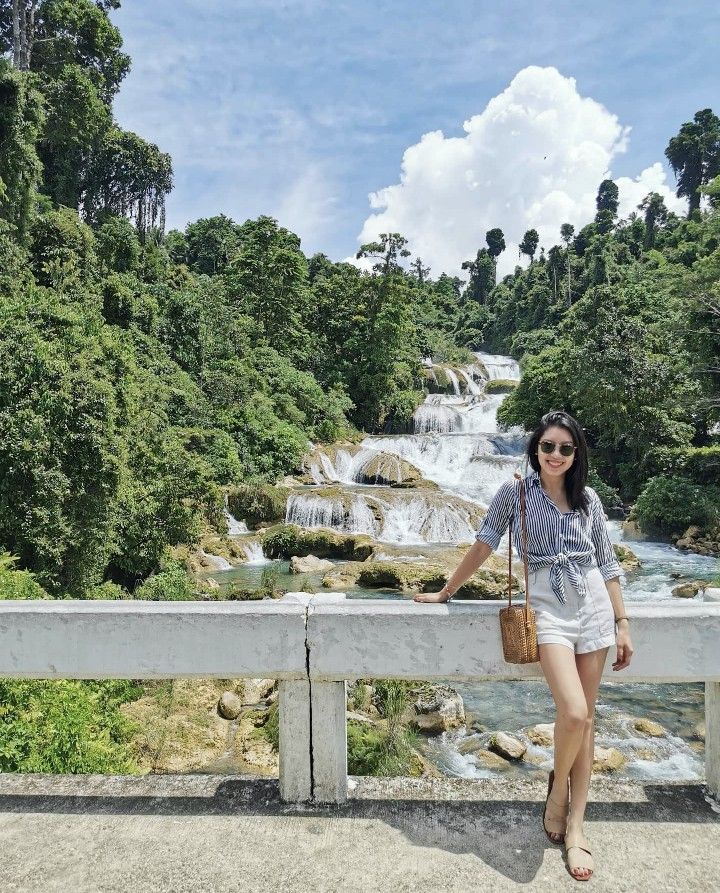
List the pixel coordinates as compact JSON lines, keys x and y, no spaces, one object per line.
{"x":128,"y":176}
{"x":21,"y":121}
{"x":482,"y":276}
{"x":420,"y":272}
{"x":694,"y":155}
{"x":567,"y":231}
{"x":607,"y":197}
{"x":656,"y":214}
{"x":210,"y":243}
{"x":495,"y":241}
{"x":388,"y":250}
{"x":529,"y":243}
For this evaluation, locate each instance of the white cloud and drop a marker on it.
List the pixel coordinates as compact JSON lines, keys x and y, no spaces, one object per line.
{"x":533,"y":158}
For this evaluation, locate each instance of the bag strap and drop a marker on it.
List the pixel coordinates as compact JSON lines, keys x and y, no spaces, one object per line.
{"x":523,"y":526}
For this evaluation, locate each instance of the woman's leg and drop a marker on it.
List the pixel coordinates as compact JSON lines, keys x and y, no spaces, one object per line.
{"x":589,"y":667}
{"x":558,"y":663}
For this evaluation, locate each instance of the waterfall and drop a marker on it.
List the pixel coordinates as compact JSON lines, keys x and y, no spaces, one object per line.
{"x":216,"y":562}
{"x":254,"y":552}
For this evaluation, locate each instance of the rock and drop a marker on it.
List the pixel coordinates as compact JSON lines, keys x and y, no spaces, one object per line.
{"x":698,"y":732}
{"x":359,"y":717}
{"x":649,"y":727}
{"x":542,"y":734}
{"x":507,"y":746}
{"x":607,"y":759}
{"x":212,"y":583}
{"x":688,"y":590}
{"x":257,"y":690}
{"x":470,"y":744}
{"x":438,"y":710}
{"x":489,"y":760}
{"x":309,"y":564}
{"x":632,"y":531}
{"x":627,"y":559}
{"x":387,"y":469}
{"x":692,"y":532}
{"x":229,"y":706}
{"x":712,"y":594}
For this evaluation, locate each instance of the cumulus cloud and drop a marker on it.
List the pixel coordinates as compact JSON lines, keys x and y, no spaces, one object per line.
{"x":533,"y":158}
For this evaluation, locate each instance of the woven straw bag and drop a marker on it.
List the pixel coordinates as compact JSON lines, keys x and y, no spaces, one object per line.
{"x":517,"y":622}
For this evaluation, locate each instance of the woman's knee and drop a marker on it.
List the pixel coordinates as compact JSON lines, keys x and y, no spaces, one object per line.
{"x":575,"y":715}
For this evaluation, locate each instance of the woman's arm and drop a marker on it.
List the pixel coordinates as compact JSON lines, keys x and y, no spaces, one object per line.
{"x":476,"y":554}
{"x":623,"y":640}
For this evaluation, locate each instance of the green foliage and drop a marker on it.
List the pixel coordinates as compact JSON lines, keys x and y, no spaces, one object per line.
{"x":65,"y":726}
{"x":172,"y":583}
{"x":63,"y":250}
{"x":258,"y":504}
{"x":21,"y":121}
{"x":669,"y":504}
{"x":15,"y":584}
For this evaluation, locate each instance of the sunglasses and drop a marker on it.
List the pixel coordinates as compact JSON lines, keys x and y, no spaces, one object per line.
{"x":548,"y":447}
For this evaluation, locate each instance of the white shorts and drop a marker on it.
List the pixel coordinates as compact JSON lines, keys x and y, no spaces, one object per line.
{"x":583,"y":624}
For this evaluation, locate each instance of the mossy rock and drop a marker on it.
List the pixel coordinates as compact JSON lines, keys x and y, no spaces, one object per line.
{"x":286,"y":540}
{"x":416,"y":577}
{"x":389,"y":470}
{"x":627,"y":559}
{"x":500,"y":385}
{"x":258,"y":504}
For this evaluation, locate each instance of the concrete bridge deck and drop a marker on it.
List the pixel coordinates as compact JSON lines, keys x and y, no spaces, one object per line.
{"x":212,"y":834}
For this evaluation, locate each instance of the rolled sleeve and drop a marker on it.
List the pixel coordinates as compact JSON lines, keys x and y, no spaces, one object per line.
{"x":498,"y":515}
{"x":604,"y":553}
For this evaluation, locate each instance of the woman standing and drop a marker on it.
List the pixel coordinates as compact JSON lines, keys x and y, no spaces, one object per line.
{"x":575,"y":591}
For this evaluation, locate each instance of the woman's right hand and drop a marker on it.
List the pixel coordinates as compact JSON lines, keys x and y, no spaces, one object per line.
{"x":430,"y":597}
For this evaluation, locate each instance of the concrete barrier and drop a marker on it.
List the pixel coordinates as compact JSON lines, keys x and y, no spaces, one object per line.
{"x":313,"y":644}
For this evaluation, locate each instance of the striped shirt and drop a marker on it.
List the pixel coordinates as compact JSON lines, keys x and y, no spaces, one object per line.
{"x":555,"y":539}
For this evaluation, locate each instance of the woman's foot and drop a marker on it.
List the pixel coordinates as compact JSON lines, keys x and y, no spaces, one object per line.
{"x":579,"y":858}
{"x":555,"y":813}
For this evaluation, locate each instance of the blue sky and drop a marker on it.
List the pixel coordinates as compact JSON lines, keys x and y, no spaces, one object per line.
{"x":303,"y":108}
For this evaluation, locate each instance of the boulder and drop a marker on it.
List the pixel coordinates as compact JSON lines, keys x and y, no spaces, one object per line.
{"x":507,"y":746}
{"x":632,"y":531}
{"x":470,"y":744}
{"x":627,"y":559}
{"x":438,"y":710}
{"x":542,"y":734}
{"x":309,"y":564}
{"x":257,"y":690}
{"x":698,"y":731}
{"x":387,"y":469}
{"x":229,"y":706}
{"x":649,"y":727}
{"x":607,"y":759}
{"x":688,"y":590}
{"x":489,"y":760}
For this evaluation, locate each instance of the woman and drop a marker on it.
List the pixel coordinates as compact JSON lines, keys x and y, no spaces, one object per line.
{"x":575,"y":592}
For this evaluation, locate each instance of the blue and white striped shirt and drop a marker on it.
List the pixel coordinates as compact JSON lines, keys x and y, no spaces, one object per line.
{"x":555,"y":539}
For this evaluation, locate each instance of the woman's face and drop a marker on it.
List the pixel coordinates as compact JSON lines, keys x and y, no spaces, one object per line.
{"x":554,"y":464}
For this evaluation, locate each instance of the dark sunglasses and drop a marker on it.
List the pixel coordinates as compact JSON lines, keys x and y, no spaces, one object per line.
{"x":548,"y":447}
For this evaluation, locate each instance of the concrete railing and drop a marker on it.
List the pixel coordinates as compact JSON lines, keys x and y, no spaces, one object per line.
{"x":313,"y":644}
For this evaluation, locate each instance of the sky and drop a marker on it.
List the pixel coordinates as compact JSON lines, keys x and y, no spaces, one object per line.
{"x":438,"y":120}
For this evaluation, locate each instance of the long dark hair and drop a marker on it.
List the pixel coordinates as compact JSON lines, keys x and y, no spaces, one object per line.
{"x":576,"y":475}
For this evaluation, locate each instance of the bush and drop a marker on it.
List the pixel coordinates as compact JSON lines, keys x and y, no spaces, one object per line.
{"x":17,"y":584}
{"x":65,"y":726}
{"x":258,"y":504}
{"x":170,"y":584}
{"x":669,"y":505}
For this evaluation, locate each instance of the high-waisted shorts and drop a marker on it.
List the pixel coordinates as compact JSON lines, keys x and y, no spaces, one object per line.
{"x":583,"y":624}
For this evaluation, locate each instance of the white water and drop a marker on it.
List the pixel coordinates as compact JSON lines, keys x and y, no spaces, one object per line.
{"x":216,"y":562}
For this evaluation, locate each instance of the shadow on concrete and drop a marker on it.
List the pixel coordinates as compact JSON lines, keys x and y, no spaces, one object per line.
{"x":506,"y":834}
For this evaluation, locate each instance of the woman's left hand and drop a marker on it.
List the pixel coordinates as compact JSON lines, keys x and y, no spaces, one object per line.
{"x":624,"y":649}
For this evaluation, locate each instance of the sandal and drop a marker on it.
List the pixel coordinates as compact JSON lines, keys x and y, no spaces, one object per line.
{"x":580,"y":862}
{"x":550,"y":831}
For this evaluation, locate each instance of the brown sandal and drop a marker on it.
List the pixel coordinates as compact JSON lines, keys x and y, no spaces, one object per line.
{"x":551,"y":779}
{"x":580,"y":861}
